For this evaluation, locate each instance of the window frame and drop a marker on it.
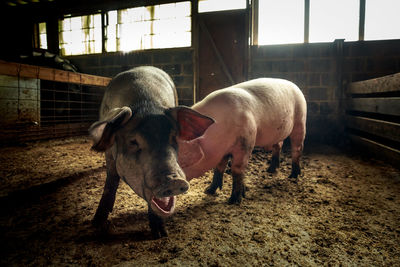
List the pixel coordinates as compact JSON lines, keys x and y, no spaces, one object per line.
{"x":255,"y":27}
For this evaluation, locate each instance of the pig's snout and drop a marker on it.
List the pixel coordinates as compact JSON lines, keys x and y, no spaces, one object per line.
{"x":172,"y":188}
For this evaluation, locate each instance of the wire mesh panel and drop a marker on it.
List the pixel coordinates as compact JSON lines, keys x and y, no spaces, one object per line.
{"x":41,"y":103}
{"x":68,"y":103}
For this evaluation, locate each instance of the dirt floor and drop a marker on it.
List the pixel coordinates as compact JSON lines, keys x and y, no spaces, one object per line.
{"x":344,"y":210}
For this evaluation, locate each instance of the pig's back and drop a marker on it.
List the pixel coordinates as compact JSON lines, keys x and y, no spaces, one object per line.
{"x":270,"y":105}
{"x":139,"y":86}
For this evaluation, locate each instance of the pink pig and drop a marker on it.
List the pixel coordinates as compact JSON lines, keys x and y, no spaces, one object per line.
{"x":260,"y":112}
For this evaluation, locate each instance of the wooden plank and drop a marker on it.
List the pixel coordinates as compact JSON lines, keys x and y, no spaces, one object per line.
{"x":28,"y":71}
{"x":385,"y":129}
{"x":390,"y":83}
{"x":377,"y":150}
{"x":49,"y":74}
{"x":382,"y":105}
{"x":8,"y":68}
{"x":46,"y":74}
{"x":74,"y":78}
{"x":95,"y":80}
{"x":61,"y":76}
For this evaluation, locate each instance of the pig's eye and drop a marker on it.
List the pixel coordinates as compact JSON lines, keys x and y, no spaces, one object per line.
{"x":134,"y":145}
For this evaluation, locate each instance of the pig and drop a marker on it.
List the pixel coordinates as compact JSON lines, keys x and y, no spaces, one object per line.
{"x":261,"y":112}
{"x":139,"y":124}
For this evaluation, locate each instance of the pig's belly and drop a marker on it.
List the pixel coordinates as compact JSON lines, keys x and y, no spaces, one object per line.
{"x":269,"y":135}
{"x":212,"y":156}
{"x":198,"y":169}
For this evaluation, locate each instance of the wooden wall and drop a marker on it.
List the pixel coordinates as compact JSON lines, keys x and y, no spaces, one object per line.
{"x":373,"y":116}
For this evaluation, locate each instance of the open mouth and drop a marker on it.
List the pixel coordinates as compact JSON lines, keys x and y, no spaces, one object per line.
{"x":165,"y":205}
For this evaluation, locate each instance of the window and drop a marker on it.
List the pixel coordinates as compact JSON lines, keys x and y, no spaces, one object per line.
{"x":160,"y":26}
{"x":382,"y":20}
{"x":330,"y":20}
{"x":219,"y":5}
{"x":80,"y":35}
{"x":42,"y":35}
{"x":281,"y":22}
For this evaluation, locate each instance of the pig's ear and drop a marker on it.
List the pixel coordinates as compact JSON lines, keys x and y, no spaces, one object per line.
{"x":191,"y":124}
{"x":102,"y":132}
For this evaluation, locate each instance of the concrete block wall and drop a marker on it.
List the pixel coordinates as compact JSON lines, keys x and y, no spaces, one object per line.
{"x":316,"y":68}
{"x":372,"y":59}
{"x":313,"y":67}
{"x":19,"y":101}
{"x":177,"y":62}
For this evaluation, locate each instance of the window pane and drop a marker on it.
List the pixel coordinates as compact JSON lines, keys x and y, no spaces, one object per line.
{"x":80,"y":35}
{"x":159,"y":26}
{"x":111,"y":32}
{"x":76,"y":23}
{"x":330,"y":20}
{"x":218,"y":5}
{"x":42,"y":27}
{"x":42,"y":35}
{"x":281,"y":22}
{"x":382,"y":19}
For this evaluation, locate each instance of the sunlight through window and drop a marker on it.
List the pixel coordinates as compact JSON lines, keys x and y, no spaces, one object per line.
{"x":382,"y":19}
{"x":160,"y":26}
{"x":330,"y":20}
{"x":281,"y":22}
{"x":42,"y":35}
{"x":219,"y":5}
{"x":80,"y":35}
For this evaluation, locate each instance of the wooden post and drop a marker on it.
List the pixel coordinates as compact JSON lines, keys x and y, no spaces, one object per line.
{"x":361,"y":25}
{"x":195,"y":45}
{"x":306,"y":21}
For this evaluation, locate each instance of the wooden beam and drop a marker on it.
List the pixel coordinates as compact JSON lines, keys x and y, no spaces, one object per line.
{"x":380,"y":105}
{"x":361,"y":24}
{"x":254,"y":22}
{"x":49,"y":74}
{"x":306,"y":21}
{"x":195,"y":45}
{"x":385,"y":129}
{"x":389,"y":83}
{"x":377,"y":150}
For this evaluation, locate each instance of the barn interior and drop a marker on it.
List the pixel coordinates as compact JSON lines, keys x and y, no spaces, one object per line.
{"x":57,"y":58}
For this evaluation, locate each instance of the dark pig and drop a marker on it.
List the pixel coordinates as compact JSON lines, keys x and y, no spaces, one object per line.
{"x":138,"y":130}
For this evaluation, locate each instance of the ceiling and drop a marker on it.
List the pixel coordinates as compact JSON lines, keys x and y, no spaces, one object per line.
{"x":61,"y":7}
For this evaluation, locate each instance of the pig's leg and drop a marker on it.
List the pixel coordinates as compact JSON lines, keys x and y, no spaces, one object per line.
{"x":240,"y":159}
{"x":297,"y":143}
{"x":108,"y":198}
{"x":218,"y":176}
{"x":157,"y":225}
{"x":276,"y":150}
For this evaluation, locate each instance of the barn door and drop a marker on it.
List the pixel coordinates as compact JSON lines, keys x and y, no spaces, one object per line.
{"x":221,"y":50}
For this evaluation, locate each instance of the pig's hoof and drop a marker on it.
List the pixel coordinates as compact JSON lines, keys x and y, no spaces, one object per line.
{"x":271,"y":169}
{"x":102,"y":227}
{"x":235,"y":199}
{"x":210,"y":190}
{"x":159,"y":233}
{"x":157,"y":225}
{"x":295,"y":171}
{"x":294,"y":175}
